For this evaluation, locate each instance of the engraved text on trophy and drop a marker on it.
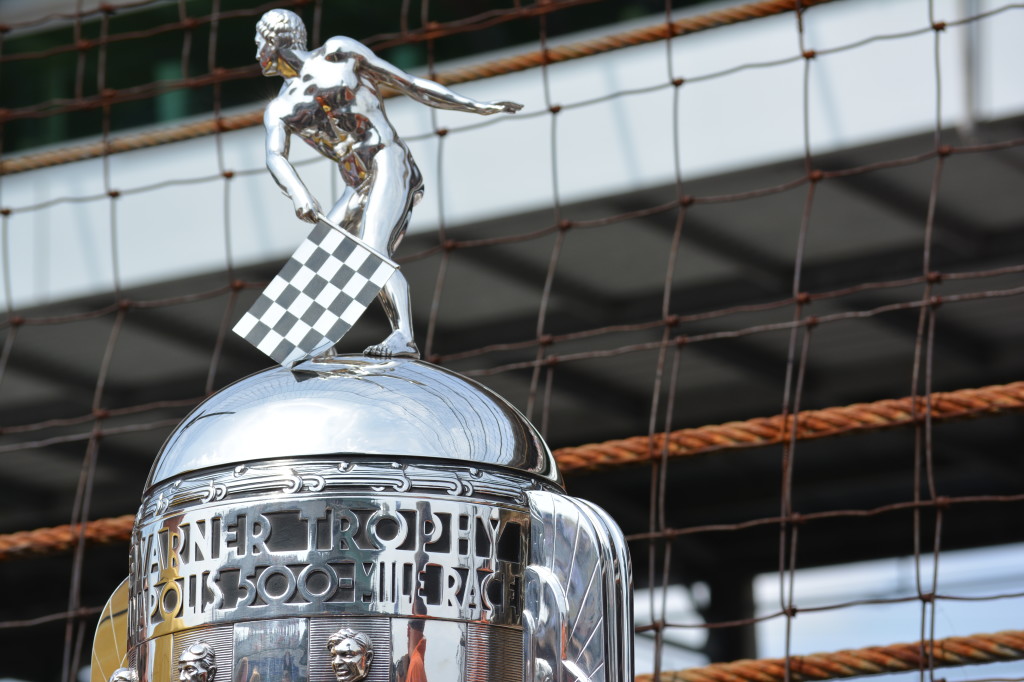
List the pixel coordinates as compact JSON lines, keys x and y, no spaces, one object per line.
{"x":320,"y":556}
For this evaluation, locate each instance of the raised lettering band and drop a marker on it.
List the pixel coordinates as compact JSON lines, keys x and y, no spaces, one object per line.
{"x":378,"y":547}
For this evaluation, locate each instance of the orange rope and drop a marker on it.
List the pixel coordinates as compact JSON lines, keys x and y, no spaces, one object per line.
{"x":43,"y":541}
{"x":497,"y":67}
{"x":831,"y":421}
{"x":1001,"y":646}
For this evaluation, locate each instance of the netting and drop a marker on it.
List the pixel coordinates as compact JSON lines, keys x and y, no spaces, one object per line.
{"x":694,"y":260}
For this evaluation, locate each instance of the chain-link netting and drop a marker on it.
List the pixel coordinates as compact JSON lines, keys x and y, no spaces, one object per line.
{"x":706,"y":253}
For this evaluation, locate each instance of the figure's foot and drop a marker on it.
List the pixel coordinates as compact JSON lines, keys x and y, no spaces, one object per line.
{"x":398,"y":345}
{"x":331,"y":352}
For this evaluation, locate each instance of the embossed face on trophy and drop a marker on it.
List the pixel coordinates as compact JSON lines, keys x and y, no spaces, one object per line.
{"x":124,"y":675}
{"x":351,"y":654}
{"x":192,"y":672}
{"x":196,"y":664}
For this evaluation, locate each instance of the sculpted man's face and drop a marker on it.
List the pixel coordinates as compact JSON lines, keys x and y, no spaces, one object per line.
{"x":350,"y":660}
{"x":266,"y":55}
{"x":192,"y":670}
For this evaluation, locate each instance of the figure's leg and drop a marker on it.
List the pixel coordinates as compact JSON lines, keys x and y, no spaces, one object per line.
{"x":347,"y":210}
{"x":397,"y":304}
{"x":394,"y":298}
{"x":385,"y":217}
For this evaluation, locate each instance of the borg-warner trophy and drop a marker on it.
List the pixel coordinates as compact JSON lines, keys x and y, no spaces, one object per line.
{"x":341,"y":518}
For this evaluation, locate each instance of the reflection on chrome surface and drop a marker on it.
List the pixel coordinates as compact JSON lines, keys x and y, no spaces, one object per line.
{"x":353,"y":404}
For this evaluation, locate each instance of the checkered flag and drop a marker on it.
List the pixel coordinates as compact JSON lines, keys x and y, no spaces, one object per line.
{"x":316,"y":298}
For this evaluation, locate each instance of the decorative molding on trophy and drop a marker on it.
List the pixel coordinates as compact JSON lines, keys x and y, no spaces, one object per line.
{"x":336,"y":476}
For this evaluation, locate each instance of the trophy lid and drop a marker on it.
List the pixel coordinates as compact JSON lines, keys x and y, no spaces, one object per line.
{"x":355,"y":405}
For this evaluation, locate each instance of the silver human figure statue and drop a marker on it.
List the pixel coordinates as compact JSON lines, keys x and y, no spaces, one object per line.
{"x":331,"y":99}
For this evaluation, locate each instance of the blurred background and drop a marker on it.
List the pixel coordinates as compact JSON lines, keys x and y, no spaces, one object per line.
{"x":708,"y":217}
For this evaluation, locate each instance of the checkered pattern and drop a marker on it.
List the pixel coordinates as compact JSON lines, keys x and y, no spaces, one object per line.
{"x":316,"y":298}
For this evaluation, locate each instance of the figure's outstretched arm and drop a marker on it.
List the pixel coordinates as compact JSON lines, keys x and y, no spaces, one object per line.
{"x":306,"y":206}
{"x":422,"y":90}
{"x":436,"y":95}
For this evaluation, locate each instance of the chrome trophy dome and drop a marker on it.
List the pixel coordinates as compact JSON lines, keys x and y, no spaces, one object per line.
{"x":354,"y":405}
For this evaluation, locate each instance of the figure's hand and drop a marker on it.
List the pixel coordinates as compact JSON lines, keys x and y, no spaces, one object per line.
{"x":506,"y":107}
{"x":306,"y":208}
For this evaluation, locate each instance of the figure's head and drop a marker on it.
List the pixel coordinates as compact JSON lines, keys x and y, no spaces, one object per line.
{"x":124,"y":675}
{"x":276,"y":30}
{"x":351,"y":653}
{"x":197,"y":663}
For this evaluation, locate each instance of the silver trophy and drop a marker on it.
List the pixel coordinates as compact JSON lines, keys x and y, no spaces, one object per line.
{"x":331,"y":100}
{"x":362,"y":517}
